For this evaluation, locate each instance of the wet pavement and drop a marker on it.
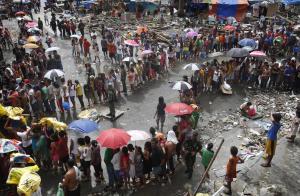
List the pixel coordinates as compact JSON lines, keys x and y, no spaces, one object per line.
{"x":139,"y":110}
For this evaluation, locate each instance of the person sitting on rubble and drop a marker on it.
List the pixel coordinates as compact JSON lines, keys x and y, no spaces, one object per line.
{"x":248,"y":109}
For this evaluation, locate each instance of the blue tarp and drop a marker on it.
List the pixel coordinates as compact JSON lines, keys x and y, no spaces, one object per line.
{"x":291,"y":2}
{"x":146,"y":5}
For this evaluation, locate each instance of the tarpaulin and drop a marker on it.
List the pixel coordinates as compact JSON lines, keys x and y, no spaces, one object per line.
{"x":291,"y":2}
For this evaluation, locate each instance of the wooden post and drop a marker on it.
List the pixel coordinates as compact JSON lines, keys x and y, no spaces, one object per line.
{"x":207,"y":170}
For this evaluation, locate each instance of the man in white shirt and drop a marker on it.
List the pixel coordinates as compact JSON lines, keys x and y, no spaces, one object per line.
{"x":87,"y":157}
{"x":26,"y":141}
{"x":116,"y":164}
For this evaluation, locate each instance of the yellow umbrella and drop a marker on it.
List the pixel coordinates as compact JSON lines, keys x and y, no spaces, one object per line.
{"x":29,"y":183}
{"x":14,"y":113}
{"x":16,"y":173}
{"x":30,"y":46}
{"x":53,"y":122}
{"x":33,"y":39}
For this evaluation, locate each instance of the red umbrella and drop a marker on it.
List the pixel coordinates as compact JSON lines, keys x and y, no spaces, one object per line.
{"x":31,"y":24}
{"x":113,"y":138}
{"x":179,"y":109}
{"x":229,"y":28}
{"x":21,"y":13}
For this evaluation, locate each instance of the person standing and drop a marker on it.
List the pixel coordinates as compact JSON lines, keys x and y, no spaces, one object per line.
{"x":108,"y":156}
{"x":160,"y":113}
{"x":231,"y":168}
{"x":87,"y":155}
{"x":123,"y":79}
{"x":40,"y":24}
{"x":272,"y":139}
{"x":104,"y":47}
{"x":191,"y":147}
{"x":86,"y":48}
{"x":206,"y":155}
{"x":53,"y":26}
{"x":71,"y":181}
{"x":79,"y":93}
{"x":72,"y":93}
{"x":295,"y":127}
{"x":96,"y":160}
{"x":81,"y":27}
{"x":111,"y":101}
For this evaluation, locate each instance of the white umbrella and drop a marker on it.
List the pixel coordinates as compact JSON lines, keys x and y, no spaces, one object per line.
{"x":191,"y":66}
{"x":52,"y":49}
{"x":137,"y":135}
{"x":188,"y":30}
{"x":33,"y":29}
{"x":215,"y":54}
{"x":181,"y":85}
{"x":54,"y":73}
{"x":126,"y":59}
{"x":75,"y":36}
{"x":249,"y":48}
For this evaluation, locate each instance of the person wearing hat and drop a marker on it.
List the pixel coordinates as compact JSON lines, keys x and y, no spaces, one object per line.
{"x":191,"y":147}
{"x":111,"y":101}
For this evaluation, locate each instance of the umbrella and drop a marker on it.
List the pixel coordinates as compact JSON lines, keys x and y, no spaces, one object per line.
{"x":258,"y":54}
{"x":7,"y":145}
{"x":31,"y":24}
{"x":237,"y":52}
{"x":84,"y":126}
{"x":20,"y":13}
{"x":54,"y":73}
{"x":145,"y":52}
{"x":188,"y":30}
{"x":179,"y":109}
{"x":52,"y":49}
{"x":113,"y":138}
{"x":21,"y":158}
{"x":126,"y":59}
{"x":191,"y":66}
{"x":131,"y":43}
{"x":229,"y":28}
{"x":33,"y":39}
{"x":27,"y":18}
{"x":54,"y":123}
{"x":181,"y":85}
{"x":29,"y":183}
{"x":30,"y":46}
{"x":248,"y":48}
{"x":297,"y":27}
{"x":137,"y":135}
{"x":247,"y":42}
{"x":33,"y":29}
{"x":191,"y":34}
{"x":215,"y":54}
{"x":75,"y":36}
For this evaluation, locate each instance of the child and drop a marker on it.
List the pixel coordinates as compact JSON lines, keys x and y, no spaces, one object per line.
{"x":207,"y":154}
{"x":231,"y":168}
{"x":272,"y":138}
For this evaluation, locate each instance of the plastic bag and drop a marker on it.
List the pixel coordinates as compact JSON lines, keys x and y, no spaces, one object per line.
{"x":29,"y":183}
{"x":15,"y":173}
{"x":60,"y":191}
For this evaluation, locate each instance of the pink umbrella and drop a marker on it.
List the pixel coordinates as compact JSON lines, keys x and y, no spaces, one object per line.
{"x":131,"y":43}
{"x":258,"y":54}
{"x":191,"y":34}
{"x":229,"y":28}
{"x":145,"y":52}
{"x":31,"y":24}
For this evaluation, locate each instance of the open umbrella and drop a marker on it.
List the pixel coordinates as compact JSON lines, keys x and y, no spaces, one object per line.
{"x":113,"y":138}
{"x":215,"y":54}
{"x":137,"y":135}
{"x":53,"y":123}
{"x":229,"y":28}
{"x":237,"y":52}
{"x":84,"y":126}
{"x":191,"y":66}
{"x":20,"y":13}
{"x":188,"y":30}
{"x":31,"y":24}
{"x":21,"y":158}
{"x":247,"y":42}
{"x":191,"y":34}
{"x":179,"y":109}
{"x":34,"y":30}
{"x":248,"y":48}
{"x":258,"y":54}
{"x":145,"y":52}
{"x":131,"y":43}
{"x":26,"y":18}
{"x":51,"y":49}
{"x":33,"y":39}
{"x":126,"y":59}
{"x":7,"y":145}
{"x":30,"y":46}
{"x":181,"y":86}
{"x":51,"y":74}
{"x":75,"y":36}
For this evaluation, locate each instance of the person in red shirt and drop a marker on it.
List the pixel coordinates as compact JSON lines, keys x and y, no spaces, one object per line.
{"x":112,"y":50}
{"x":63,"y":150}
{"x":124,"y":165}
{"x":86,"y":48}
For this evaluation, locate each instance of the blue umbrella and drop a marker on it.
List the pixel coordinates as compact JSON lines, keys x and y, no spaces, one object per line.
{"x":247,"y":42}
{"x":84,"y":126}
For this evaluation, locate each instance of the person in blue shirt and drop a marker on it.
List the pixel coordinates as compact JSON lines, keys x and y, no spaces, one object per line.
{"x":272,"y":138}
